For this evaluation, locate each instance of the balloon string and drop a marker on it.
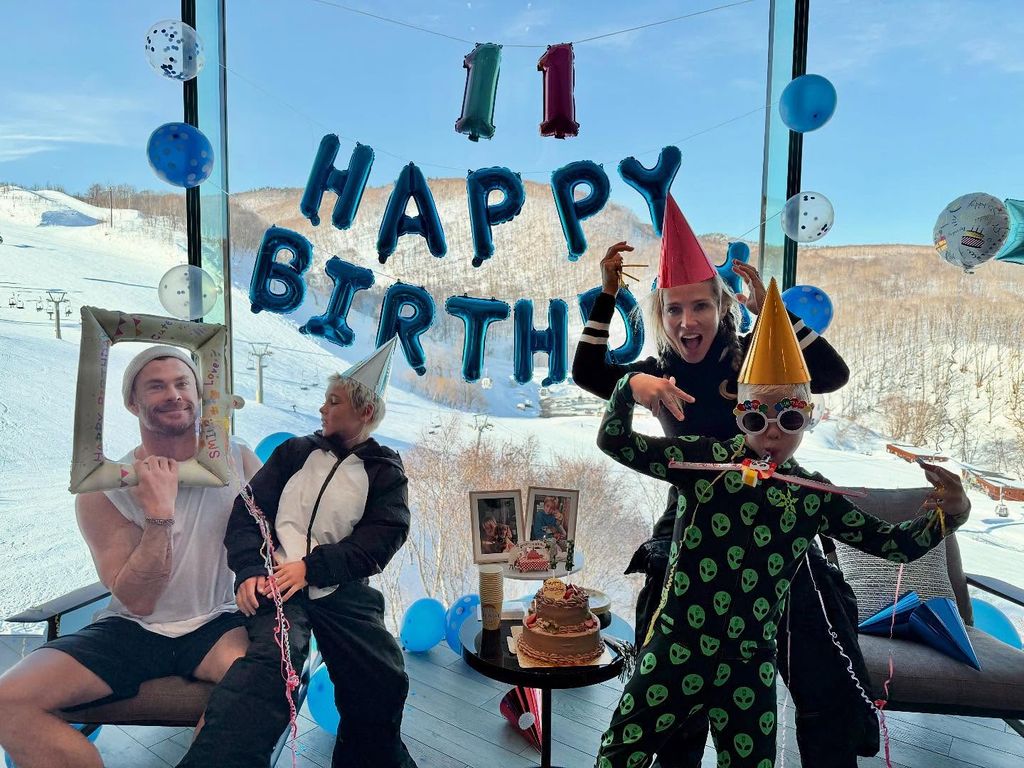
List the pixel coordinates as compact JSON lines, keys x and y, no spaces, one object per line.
{"x":282,"y":627}
{"x":281,"y":631}
{"x":408,"y":25}
{"x":892,"y":671}
{"x":460,"y":169}
{"x":875,"y":706}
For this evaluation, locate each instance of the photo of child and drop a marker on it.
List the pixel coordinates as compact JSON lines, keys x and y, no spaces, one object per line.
{"x":495,"y":524}
{"x":552,"y":515}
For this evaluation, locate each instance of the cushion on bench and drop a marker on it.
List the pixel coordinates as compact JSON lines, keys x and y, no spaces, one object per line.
{"x":169,"y":701}
{"x":894,"y":506}
{"x":873,"y":580}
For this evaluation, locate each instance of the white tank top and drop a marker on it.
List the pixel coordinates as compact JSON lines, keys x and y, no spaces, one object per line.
{"x":201,"y":585}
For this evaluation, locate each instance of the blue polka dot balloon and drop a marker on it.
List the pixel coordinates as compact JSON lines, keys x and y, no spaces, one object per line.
{"x":174,"y":49}
{"x":180,"y":154}
{"x":810,"y":304}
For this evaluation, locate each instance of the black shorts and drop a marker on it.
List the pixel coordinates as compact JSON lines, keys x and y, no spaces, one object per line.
{"x":124,"y":654}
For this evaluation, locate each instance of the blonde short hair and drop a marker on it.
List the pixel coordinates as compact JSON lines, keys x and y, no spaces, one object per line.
{"x":360,"y":396}
{"x":773,"y":393}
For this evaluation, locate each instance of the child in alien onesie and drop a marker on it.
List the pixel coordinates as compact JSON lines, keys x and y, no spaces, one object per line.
{"x":740,"y":535}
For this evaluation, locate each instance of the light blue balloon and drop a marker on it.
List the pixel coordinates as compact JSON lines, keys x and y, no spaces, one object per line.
{"x":738,"y":251}
{"x":423,"y":626}
{"x":320,"y":698}
{"x":807,"y":103}
{"x":269,"y":443}
{"x":991,"y":620}
{"x":180,"y":154}
{"x":457,"y":615}
{"x":810,"y":304}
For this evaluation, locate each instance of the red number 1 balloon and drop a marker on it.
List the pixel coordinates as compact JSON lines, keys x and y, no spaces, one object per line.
{"x":559,"y":101}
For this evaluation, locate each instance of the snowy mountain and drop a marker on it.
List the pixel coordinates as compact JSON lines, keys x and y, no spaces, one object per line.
{"x":48,"y":242}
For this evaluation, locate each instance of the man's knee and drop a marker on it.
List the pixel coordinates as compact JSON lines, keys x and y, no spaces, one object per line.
{"x":15,"y":700}
{"x":48,"y":680}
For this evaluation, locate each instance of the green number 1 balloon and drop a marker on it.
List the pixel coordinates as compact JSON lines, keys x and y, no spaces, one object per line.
{"x":483,"y":65}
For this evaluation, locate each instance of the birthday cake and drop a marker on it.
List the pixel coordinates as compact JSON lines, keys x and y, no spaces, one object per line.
{"x":559,"y":627}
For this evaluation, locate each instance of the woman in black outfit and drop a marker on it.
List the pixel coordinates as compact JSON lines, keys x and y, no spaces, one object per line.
{"x":699,"y":353}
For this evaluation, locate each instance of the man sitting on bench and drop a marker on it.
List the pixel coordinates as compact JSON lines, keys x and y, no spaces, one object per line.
{"x":158,"y":549}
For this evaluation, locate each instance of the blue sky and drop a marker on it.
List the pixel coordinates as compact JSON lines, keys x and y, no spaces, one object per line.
{"x":929,"y":105}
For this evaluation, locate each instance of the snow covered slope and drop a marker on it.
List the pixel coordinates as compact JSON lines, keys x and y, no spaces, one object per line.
{"x":119,"y":267}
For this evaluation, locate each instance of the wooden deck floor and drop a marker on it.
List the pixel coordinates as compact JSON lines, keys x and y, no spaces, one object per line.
{"x":452,"y":720}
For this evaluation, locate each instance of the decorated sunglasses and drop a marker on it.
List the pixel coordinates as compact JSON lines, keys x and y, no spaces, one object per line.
{"x":792,"y":416}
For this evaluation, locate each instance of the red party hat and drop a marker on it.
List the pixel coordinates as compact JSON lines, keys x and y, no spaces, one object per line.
{"x":521,"y":707}
{"x":683,"y":261}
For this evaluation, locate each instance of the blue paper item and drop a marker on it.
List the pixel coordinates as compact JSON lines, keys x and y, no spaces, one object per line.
{"x":935,"y":622}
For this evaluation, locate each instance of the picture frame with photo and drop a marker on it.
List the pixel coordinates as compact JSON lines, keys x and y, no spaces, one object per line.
{"x":551,"y":512}
{"x":496,"y":520}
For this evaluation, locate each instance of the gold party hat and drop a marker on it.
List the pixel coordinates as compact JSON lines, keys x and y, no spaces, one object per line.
{"x":774,"y":356}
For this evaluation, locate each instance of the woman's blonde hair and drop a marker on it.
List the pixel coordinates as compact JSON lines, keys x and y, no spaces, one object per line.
{"x":729,"y":316}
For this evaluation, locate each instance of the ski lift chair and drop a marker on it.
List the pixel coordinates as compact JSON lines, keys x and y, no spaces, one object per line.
{"x":175,"y":702}
{"x":1001,"y":509}
{"x":925,"y":680}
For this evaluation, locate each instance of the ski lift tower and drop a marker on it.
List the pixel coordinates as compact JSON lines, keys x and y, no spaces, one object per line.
{"x":56,"y":297}
{"x":259,"y":350}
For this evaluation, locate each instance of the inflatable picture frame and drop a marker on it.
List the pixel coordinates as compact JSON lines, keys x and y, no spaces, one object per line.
{"x":91,"y":470}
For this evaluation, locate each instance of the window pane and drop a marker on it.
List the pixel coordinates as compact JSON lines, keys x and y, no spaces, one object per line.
{"x":935,"y":354}
{"x":80,"y":211}
{"x":697,"y":83}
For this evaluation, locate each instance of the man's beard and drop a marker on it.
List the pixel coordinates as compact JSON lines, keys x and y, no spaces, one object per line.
{"x":156,"y":424}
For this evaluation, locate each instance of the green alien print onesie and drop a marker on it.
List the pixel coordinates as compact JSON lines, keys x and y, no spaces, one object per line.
{"x":735,"y":548}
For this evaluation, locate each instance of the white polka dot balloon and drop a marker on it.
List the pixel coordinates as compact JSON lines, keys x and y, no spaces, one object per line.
{"x":188,"y":292}
{"x":174,"y":49}
{"x":808,"y":216}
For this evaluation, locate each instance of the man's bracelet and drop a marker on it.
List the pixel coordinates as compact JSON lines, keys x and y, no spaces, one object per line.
{"x":163,"y":521}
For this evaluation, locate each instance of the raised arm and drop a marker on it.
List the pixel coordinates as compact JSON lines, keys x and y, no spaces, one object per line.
{"x":133,"y":563}
{"x":905,"y":541}
{"x":591,"y":369}
{"x":827,"y":368}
